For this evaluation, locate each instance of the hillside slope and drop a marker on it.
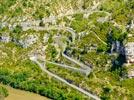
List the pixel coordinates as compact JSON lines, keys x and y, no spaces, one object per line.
{"x":80,"y":41}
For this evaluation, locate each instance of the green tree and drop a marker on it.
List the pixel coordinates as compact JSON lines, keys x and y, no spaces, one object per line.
{"x":102,"y":48}
{"x":79,"y":25}
{"x":17,"y":29}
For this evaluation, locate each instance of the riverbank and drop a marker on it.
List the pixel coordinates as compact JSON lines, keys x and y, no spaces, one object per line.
{"x":15,"y":94}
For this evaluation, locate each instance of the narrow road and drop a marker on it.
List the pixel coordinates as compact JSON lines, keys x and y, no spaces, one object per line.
{"x":83,"y":71}
{"x":81,"y":11}
{"x":34,"y":59}
{"x":38,"y":28}
{"x":83,"y":66}
{"x":86,"y":68}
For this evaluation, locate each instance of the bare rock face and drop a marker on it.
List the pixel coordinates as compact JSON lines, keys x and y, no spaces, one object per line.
{"x":131,"y":74}
{"x":4,"y":37}
{"x":45,"y":38}
{"x":132,"y":24}
{"x":31,"y":39}
{"x":129,"y":52}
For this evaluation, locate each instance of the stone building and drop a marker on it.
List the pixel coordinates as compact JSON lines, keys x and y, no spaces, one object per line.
{"x":129,"y":52}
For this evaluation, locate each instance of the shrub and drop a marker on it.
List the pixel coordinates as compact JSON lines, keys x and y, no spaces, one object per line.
{"x":17,"y":29}
{"x":3,"y":91}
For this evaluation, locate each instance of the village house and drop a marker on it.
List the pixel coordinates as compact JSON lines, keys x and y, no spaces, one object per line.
{"x":129,"y":52}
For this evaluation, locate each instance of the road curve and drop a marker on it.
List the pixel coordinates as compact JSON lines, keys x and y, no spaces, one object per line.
{"x":83,"y":66}
{"x":83,"y":71}
{"x":34,"y":59}
{"x":86,"y":69}
{"x":38,"y":28}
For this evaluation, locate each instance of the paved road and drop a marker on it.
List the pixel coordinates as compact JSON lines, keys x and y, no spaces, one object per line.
{"x":83,"y":71}
{"x":86,"y":68}
{"x":83,"y":66}
{"x":81,"y":11}
{"x":49,"y":19}
{"x":62,"y":80}
{"x":38,"y":28}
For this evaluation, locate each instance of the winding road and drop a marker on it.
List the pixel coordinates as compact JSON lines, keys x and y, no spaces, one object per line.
{"x":87,"y":70}
{"x":84,"y":68}
{"x":82,"y":71}
{"x":43,"y":67}
{"x":38,"y":28}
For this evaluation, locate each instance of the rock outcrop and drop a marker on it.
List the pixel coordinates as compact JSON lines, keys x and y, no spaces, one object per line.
{"x":129,"y":52}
